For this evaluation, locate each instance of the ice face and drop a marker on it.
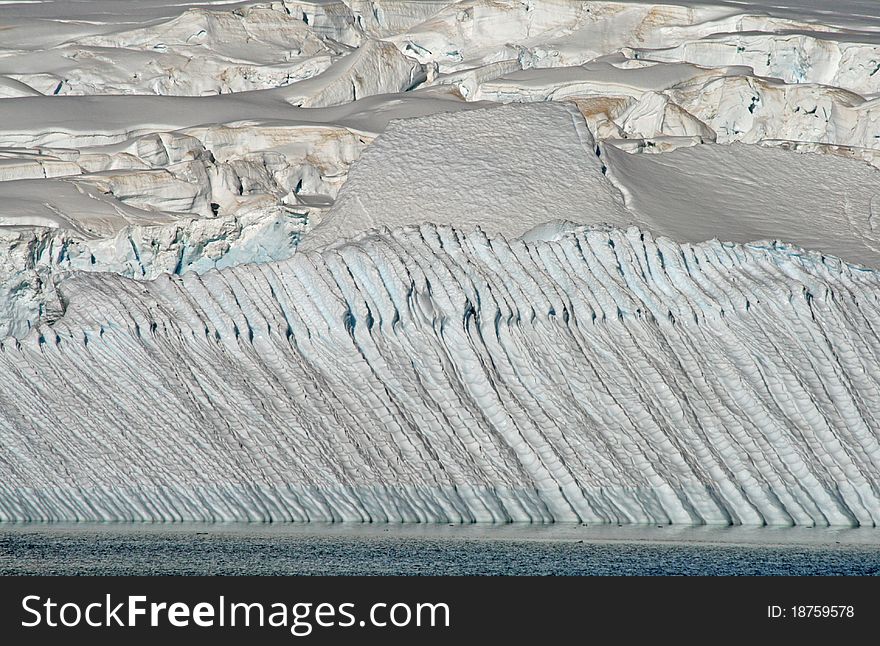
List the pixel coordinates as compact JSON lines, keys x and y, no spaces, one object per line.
{"x":432,"y":375}
{"x":434,"y":260}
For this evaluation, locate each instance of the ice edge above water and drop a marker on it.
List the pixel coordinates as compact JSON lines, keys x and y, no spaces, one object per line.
{"x":433,"y":375}
{"x":534,"y":370}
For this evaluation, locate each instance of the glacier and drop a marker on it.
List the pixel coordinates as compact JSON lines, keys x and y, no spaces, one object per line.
{"x":605,"y":261}
{"x":432,"y":375}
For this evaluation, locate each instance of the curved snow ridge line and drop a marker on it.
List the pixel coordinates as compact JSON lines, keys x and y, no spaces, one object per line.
{"x":432,"y":375}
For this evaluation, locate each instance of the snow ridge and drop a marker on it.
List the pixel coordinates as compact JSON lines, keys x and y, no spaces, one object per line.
{"x":429,"y":374}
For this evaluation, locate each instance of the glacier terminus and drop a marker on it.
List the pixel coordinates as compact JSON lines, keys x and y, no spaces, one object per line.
{"x":604,"y":262}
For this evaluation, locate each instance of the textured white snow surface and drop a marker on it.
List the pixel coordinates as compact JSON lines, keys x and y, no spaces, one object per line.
{"x":506,"y":169}
{"x":484,"y":260}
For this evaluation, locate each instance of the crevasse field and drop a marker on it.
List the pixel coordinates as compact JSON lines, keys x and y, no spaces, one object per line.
{"x":433,"y":261}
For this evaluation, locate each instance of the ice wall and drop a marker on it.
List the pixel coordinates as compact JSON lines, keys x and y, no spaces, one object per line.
{"x":229,"y":288}
{"x":601,"y":375}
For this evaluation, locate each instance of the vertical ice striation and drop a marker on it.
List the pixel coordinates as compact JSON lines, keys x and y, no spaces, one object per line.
{"x":429,"y":374}
{"x":371,"y":261}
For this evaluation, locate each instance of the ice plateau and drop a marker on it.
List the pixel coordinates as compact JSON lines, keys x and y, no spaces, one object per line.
{"x":440,"y":261}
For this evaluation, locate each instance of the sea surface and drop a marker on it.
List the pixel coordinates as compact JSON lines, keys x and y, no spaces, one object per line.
{"x":318,"y":549}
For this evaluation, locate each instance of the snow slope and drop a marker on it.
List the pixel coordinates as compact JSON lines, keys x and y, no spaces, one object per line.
{"x":430,"y":375}
{"x":510,"y":169}
{"x":743,"y":193}
{"x":504,"y":169}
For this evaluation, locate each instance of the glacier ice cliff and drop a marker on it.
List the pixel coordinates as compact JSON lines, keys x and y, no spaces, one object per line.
{"x":440,"y":260}
{"x":430,"y":374}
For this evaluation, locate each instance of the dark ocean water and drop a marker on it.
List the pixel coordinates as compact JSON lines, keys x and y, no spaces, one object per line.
{"x":429,"y":550}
